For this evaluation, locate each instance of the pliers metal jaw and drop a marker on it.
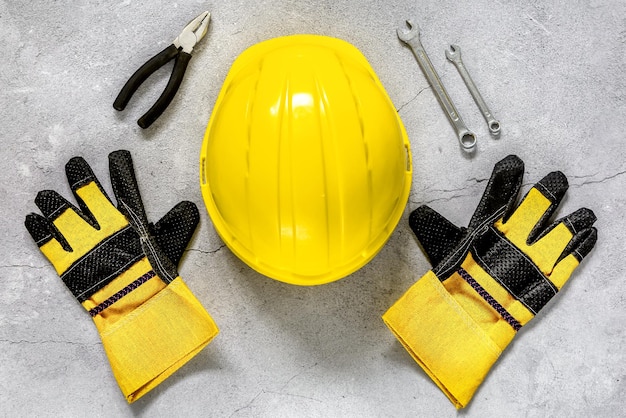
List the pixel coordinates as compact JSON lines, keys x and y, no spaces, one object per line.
{"x":193,"y":33}
{"x":180,"y":50}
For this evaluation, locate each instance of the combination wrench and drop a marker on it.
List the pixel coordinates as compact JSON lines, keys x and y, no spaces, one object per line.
{"x":454,"y":55}
{"x":467,"y":139}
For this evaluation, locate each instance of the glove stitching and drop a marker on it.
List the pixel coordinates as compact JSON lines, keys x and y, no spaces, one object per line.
{"x":137,"y":221}
{"x":157,"y":260}
{"x":169,"y":290}
{"x":571,"y":226}
{"x":144,"y":237}
{"x":506,"y":315}
{"x":73,"y":185}
{"x":467,"y":242}
{"x":119,"y":295}
{"x":53,"y":215}
{"x":545,"y":189}
{"x":43,"y":240}
{"x":486,"y":267}
{"x":497,"y":279}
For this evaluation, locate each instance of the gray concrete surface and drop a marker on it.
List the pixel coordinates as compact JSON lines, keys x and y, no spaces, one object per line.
{"x":551,"y":71}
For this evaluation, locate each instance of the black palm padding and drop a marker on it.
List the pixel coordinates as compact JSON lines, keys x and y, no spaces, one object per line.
{"x":512,"y":269}
{"x":105,"y":261}
{"x":103,"y":264}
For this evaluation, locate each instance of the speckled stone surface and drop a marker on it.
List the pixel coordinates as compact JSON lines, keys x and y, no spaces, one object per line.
{"x":552,"y":73}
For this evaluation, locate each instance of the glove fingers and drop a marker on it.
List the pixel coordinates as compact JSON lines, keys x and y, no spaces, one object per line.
{"x":51,"y":204}
{"x":79,"y":174}
{"x":125,"y":188}
{"x":39,"y":228}
{"x":174,"y":230}
{"x":534,"y":212}
{"x":501,"y":191}
{"x":585,"y":243}
{"x":557,"y":240}
{"x":42,"y":231}
{"x":582,"y":218}
{"x":582,"y":244}
{"x":437,"y":235}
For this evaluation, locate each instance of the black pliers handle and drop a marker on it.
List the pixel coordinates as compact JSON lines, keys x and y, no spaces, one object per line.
{"x":180,"y":50}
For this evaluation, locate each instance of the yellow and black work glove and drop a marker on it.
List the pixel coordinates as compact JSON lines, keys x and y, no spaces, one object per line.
{"x":122,"y":269}
{"x":489,"y":279}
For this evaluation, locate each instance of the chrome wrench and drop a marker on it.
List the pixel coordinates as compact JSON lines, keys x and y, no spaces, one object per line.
{"x":467,"y":139}
{"x":454,"y":55}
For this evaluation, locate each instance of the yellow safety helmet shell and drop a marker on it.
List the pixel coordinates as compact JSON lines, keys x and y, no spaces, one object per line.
{"x":305,"y":164}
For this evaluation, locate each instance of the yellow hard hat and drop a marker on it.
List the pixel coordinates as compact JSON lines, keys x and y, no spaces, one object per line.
{"x":305,"y":165}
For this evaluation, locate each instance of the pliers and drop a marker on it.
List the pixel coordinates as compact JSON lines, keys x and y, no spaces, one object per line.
{"x":180,"y":49}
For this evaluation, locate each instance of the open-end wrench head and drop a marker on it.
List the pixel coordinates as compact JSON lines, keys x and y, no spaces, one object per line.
{"x":413,"y":32}
{"x":453,"y":53}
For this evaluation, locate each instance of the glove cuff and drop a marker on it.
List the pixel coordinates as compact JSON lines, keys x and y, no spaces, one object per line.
{"x":442,"y":338}
{"x":158,"y":338}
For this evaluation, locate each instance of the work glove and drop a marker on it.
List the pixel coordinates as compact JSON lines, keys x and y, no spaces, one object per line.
{"x":123,"y":271}
{"x":488,"y":279}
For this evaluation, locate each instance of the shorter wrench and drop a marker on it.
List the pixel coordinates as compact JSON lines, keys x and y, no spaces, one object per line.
{"x":454,"y":55}
{"x":467,"y":139}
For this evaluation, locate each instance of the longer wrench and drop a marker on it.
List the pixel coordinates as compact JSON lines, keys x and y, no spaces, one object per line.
{"x":454,"y":55}
{"x":467,"y":139}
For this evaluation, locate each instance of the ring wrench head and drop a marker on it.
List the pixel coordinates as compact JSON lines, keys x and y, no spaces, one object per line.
{"x":467,"y":139}
{"x":494,"y":127}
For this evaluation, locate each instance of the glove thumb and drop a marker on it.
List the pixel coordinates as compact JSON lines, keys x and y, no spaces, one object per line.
{"x":436,"y":235}
{"x":174,"y":231}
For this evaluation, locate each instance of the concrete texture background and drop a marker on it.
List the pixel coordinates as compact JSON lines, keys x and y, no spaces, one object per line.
{"x":551,"y":71}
